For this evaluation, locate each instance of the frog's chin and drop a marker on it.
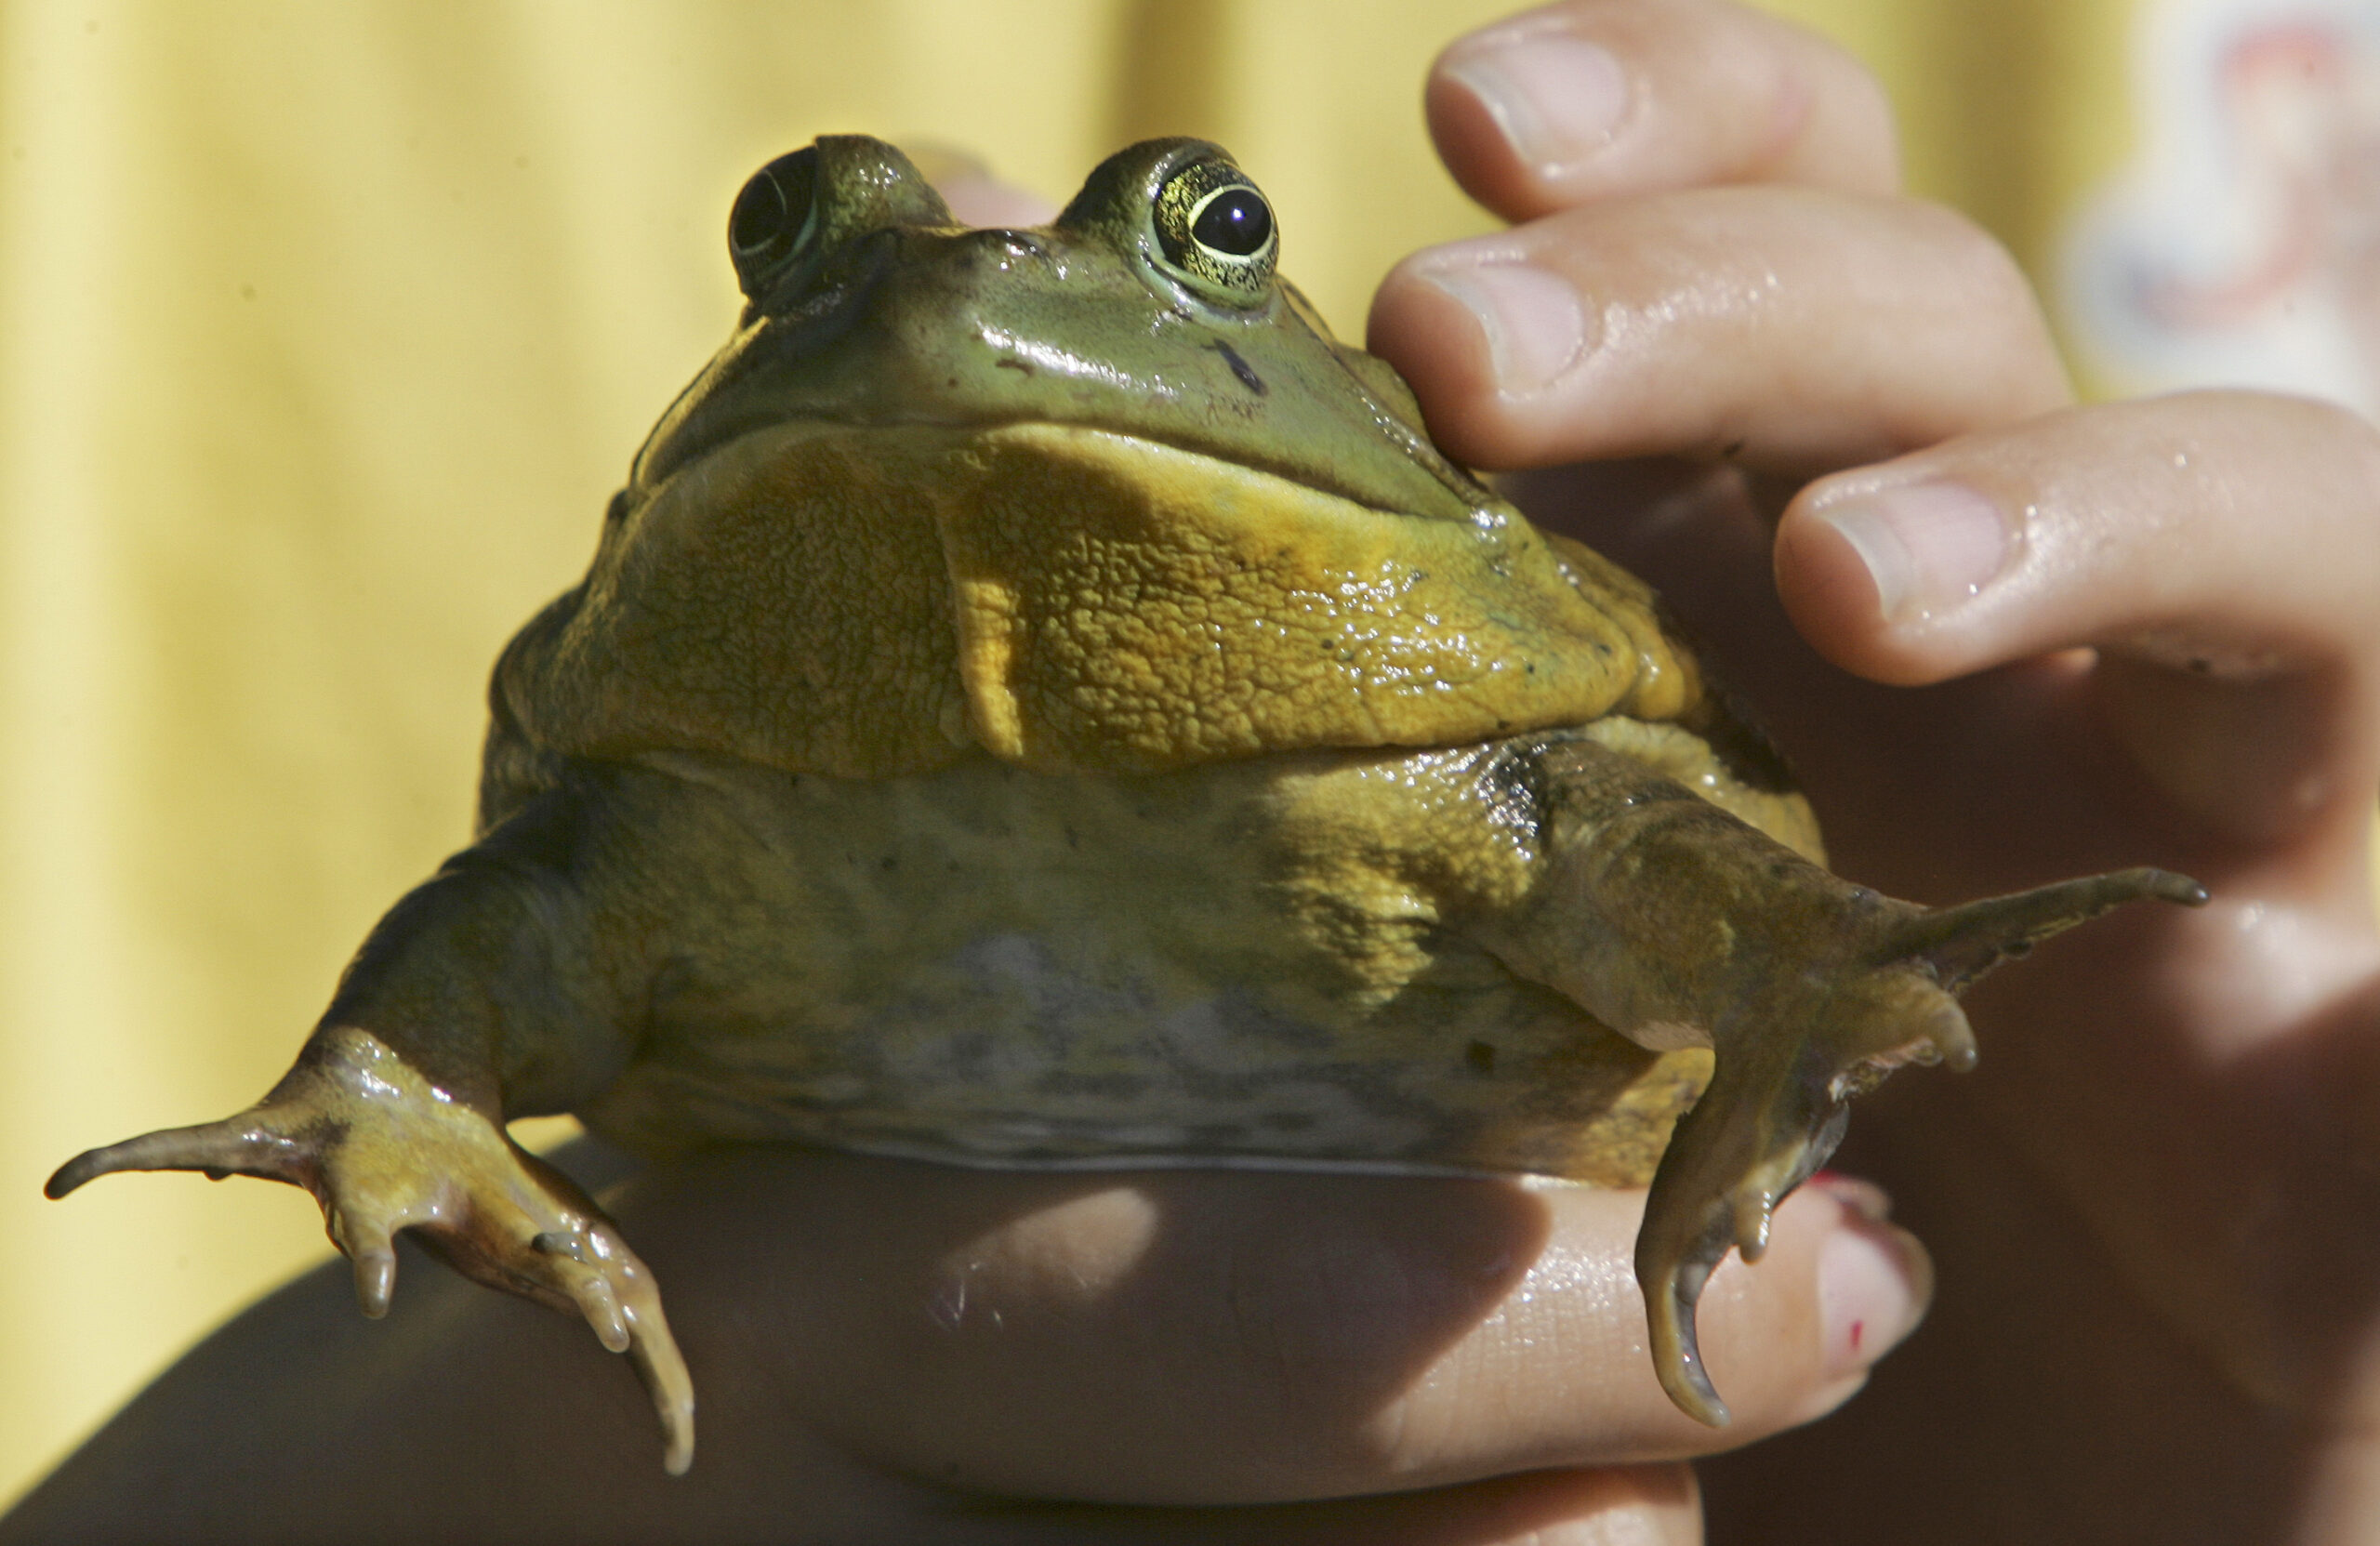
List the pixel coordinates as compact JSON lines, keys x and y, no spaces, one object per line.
{"x":1119,"y":604}
{"x":880,"y":600}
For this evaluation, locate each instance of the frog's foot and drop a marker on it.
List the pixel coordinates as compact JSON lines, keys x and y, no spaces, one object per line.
{"x":1790,"y":1060}
{"x":382,"y":1149}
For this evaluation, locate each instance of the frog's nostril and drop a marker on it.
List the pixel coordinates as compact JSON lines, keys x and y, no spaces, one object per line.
{"x":1003,"y":249}
{"x":1013,"y":244}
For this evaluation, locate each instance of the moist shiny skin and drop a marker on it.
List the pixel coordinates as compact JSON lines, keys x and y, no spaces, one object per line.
{"x":1267,"y":961}
{"x":1041,"y":699}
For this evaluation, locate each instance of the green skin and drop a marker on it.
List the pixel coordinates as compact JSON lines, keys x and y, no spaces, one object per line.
{"x":1527,"y":954}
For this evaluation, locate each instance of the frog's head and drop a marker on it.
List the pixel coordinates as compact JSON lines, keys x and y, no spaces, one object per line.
{"x":1152,"y":307}
{"x":1102,"y":495}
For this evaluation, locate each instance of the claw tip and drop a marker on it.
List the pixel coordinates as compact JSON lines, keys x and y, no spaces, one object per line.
{"x":1691,"y":1391}
{"x":375,"y":1283}
{"x":1677,"y":1353}
{"x":2167,"y":886}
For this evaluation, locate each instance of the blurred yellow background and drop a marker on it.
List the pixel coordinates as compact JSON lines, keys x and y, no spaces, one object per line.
{"x":325,"y":332}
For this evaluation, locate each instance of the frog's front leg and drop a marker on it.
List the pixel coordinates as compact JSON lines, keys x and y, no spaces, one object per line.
{"x":1675,"y":924}
{"x":506,"y":985}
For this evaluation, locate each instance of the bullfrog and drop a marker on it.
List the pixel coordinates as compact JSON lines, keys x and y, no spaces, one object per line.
{"x":1042,"y":700}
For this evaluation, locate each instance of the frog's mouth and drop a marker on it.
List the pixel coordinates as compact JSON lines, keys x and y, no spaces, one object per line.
{"x":872,"y":602}
{"x":1337,"y":420}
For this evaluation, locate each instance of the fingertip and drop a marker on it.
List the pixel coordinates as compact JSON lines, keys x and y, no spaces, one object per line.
{"x":1875,"y":1284}
{"x":1491,"y":344}
{"x":1469,"y":139}
{"x":976,"y":197}
{"x":1516,"y":111}
{"x":987,"y":202}
{"x":1822,"y":1401}
{"x":1436,"y":342}
{"x":1573,"y":102}
{"x":1827,"y":590}
{"x":1865,"y":592}
{"x":1792,"y":1339}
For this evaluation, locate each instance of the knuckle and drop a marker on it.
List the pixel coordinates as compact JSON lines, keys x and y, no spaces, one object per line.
{"x":2331,"y":453}
{"x":2358,"y":442}
{"x":1976,"y":280}
{"x":1866,"y":125}
{"x":1973,"y":262}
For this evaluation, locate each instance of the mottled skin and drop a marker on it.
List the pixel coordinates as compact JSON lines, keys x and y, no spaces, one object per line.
{"x":1041,"y":700}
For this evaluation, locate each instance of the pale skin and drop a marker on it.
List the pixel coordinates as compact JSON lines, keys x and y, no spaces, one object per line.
{"x":2151,"y":1204}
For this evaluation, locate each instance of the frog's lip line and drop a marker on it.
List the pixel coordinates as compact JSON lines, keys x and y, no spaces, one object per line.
{"x":793,"y":431}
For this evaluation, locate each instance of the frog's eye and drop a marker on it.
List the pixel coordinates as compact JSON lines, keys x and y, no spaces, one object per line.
{"x":1217,"y":233}
{"x":773,"y":220}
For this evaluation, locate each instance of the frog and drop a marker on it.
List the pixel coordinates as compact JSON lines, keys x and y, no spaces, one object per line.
{"x":1041,"y":699}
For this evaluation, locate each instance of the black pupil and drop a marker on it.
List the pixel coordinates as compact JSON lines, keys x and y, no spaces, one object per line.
{"x":1237,"y":221}
{"x":759,"y":216}
{"x":769,"y":213}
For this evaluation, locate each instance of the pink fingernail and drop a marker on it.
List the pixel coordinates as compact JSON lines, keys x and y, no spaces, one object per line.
{"x":985,"y":201}
{"x":1557,"y":98}
{"x":1535,"y":327}
{"x":1928,"y":547}
{"x":1862,"y":1196}
{"x":1874,"y":1284}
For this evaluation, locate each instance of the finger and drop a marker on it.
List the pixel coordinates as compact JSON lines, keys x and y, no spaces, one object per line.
{"x":1794,"y":328}
{"x":1598,"y":98}
{"x":2221,"y":548}
{"x":975,"y":196}
{"x":478,"y":1424}
{"x":1229,"y":1338}
{"x":1655,"y":1505}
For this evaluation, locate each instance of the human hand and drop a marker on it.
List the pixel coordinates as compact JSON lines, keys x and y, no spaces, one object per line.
{"x":899,"y":1352}
{"x":2025,"y":640}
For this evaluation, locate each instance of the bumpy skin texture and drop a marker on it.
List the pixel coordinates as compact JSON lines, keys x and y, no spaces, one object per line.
{"x":1042,"y":701}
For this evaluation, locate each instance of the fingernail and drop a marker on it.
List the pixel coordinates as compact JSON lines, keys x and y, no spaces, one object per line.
{"x":1874,"y":1284}
{"x":1861,"y":1196}
{"x":1535,"y":327}
{"x":1928,"y":547}
{"x":1557,"y":98}
{"x":986,"y":201}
